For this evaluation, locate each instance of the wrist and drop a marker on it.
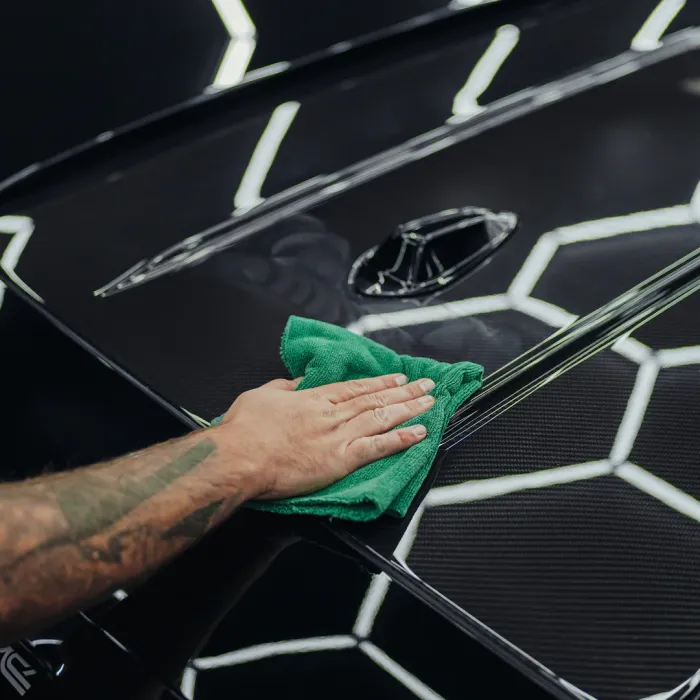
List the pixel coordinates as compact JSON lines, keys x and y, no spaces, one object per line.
{"x":242,"y":467}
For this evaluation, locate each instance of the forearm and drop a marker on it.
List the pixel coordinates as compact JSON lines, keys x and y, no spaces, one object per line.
{"x":68,"y":539}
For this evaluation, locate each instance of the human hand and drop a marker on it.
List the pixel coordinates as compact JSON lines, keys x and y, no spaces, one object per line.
{"x":295,"y":442}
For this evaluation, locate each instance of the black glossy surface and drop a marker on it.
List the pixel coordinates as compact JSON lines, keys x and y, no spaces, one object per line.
{"x":571,"y":573}
{"x":544,"y":533}
{"x":299,"y":264}
{"x":297,"y":631}
{"x":102,"y":66}
{"x":63,"y":409}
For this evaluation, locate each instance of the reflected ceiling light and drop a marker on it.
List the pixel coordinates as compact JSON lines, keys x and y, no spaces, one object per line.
{"x":635,"y":411}
{"x":188,"y":683}
{"x":466,"y":103}
{"x":482,"y":489}
{"x":241,"y":44}
{"x":461,"y":4}
{"x":695,"y":203}
{"x":270,"y":649}
{"x":416,"y":686}
{"x":649,"y":36}
{"x":21,"y":229}
{"x":659,"y":489}
{"x":677,"y":357}
{"x":248,"y":194}
{"x":371,"y":603}
{"x":680,"y":691}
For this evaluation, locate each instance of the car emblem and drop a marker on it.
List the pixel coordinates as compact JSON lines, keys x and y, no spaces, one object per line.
{"x":430,"y":253}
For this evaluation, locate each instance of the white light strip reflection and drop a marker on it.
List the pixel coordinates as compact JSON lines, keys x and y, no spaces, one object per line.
{"x":465,"y":103}
{"x":460,"y":4}
{"x":630,"y":223}
{"x":241,"y":44}
{"x":234,"y":63}
{"x":45,"y":642}
{"x":576,"y":691}
{"x":676,"y":357}
{"x":648,"y":37}
{"x":664,"y":696}
{"x":235,"y":17}
{"x":374,"y":597}
{"x":403,"y":549}
{"x":267,"y":71}
{"x":430,"y":314}
{"x":379,"y":586}
{"x":695,"y":204}
{"x":635,"y":411}
{"x":543,"y":251}
{"x":189,"y":680}
{"x":632,"y":349}
{"x":534,"y":266}
{"x":686,"y":687}
{"x":551,"y":314}
{"x":499,"y":486}
{"x":417,"y":687}
{"x":248,"y":195}
{"x":264,"y":651}
{"x":21,"y":229}
{"x":659,"y":489}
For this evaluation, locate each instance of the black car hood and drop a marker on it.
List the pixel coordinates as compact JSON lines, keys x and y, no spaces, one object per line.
{"x":548,"y":523}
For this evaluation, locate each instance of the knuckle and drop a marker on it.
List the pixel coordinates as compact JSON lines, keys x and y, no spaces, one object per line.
{"x":405,"y":437}
{"x":417,"y":406}
{"x":380,"y":415}
{"x":378,"y":444}
{"x":359,"y":387}
{"x":415,"y":391}
{"x":388,"y":382}
{"x":377,"y":400}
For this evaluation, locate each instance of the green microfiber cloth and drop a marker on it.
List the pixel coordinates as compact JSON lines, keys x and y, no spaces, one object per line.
{"x":324,"y":354}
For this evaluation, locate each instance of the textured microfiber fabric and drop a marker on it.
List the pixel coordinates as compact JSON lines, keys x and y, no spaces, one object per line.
{"x":324,"y":354}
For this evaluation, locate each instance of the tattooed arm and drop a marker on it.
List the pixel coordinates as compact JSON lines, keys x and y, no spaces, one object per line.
{"x":68,"y":539}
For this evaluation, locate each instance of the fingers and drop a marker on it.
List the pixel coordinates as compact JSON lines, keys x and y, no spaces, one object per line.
{"x":369,"y":449}
{"x":380,"y":420}
{"x":345,"y":391}
{"x":284,"y":384}
{"x":387,"y":397}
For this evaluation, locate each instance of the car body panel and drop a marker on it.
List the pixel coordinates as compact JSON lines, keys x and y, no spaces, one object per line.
{"x":543,"y":529}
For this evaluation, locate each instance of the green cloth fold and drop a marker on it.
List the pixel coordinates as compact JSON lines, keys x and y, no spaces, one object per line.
{"x":324,"y":354}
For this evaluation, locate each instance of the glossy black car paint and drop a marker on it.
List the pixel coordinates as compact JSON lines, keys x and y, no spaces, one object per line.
{"x":562,"y":581}
{"x":78,"y":74}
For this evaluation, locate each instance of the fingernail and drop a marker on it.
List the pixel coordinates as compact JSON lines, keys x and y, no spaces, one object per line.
{"x":426,"y":400}
{"x":419,"y":430}
{"x":427,"y":384}
{"x":401,"y":379}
